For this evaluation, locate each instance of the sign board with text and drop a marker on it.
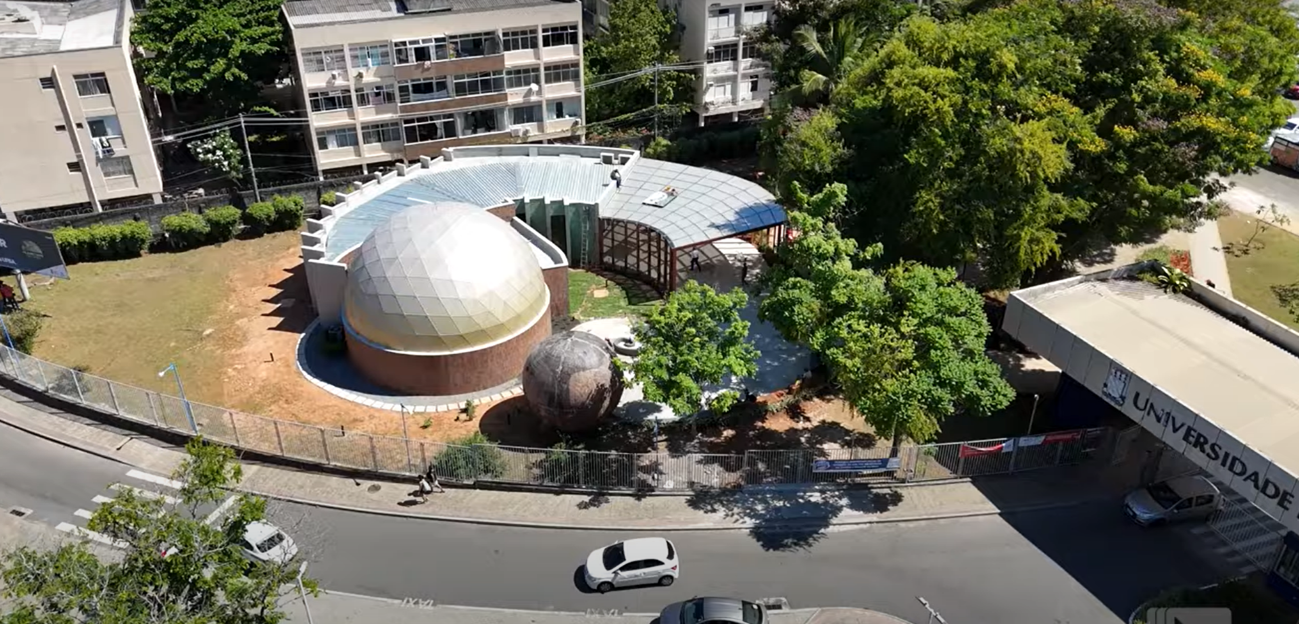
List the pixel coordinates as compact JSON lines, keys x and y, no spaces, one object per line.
{"x":30,"y":251}
{"x":881,"y":464}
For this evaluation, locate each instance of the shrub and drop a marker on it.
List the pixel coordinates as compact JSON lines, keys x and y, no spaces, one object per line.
{"x":329,"y":198}
{"x":103,"y":241}
{"x":222,"y":223}
{"x":185,"y":230}
{"x":259,"y":217}
{"x":659,"y":149}
{"x":469,"y":458}
{"x":289,"y":210}
{"x":23,"y":326}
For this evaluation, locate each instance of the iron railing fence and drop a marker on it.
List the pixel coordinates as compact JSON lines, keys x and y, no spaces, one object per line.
{"x":550,"y":468}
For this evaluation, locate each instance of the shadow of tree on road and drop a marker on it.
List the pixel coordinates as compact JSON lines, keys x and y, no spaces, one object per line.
{"x":791,"y":519}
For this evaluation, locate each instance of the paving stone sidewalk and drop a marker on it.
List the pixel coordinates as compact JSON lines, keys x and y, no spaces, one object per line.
{"x":752,"y":508}
{"x":346,"y":609}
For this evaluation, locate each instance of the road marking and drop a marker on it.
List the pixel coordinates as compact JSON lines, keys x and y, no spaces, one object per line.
{"x":220,"y":511}
{"x":152,"y":478}
{"x":145,"y":493}
{"x":82,"y":513}
{"x":101,"y":500}
{"x":90,"y":535}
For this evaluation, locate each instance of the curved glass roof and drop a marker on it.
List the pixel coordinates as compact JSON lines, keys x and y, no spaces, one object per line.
{"x":708,"y":204}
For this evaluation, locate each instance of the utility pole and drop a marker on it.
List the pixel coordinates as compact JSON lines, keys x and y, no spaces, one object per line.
{"x":656,"y":100}
{"x":257,"y":194}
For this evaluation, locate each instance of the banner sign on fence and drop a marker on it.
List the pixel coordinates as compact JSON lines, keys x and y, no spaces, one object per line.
{"x":969,"y":450}
{"x":856,"y":465}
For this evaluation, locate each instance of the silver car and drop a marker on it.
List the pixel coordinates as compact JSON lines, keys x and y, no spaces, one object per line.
{"x":713,"y":611}
{"x":1175,"y":500}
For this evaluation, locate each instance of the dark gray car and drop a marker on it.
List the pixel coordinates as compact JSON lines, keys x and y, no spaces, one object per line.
{"x":713,"y":611}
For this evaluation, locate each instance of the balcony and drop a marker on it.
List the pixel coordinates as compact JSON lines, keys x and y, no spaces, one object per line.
{"x":717,"y":34}
{"x":719,"y":68}
{"x":394,"y":149}
{"x":92,"y":104}
{"x":747,"y":64}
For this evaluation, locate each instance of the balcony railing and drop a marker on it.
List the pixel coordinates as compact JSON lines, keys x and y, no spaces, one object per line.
{"x":728,"y":32}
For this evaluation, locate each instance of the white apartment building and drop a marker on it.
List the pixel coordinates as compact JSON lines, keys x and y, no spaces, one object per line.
{"x":389,"y":81}
{"x":733,"y":80}
{"x":73,"y":132}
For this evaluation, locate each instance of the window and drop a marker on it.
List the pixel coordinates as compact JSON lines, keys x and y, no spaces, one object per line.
{"x":420,"y":50}
{"x":723,"y":53}
{"x":375,"y":95}
{"x":429,"y":128}
{"x":568,"y":72}
{"x":336,"y":138}
{"x":388,"y":132}
{"x":371,"y":55}
{"x":751,"y":50}
{"x":755,"y":15}
{"x":513,"y":40}
{"x":47,"y":83}
{"x":60,"y":128}
{"x":721,"y":24}
{"x":480,"y":122}
{"x":118,"y":167}
{"x":559,"y":35}
{"x":74,"y":167}
{"x":104,"y":127}
{"x":613,"y":556}
{"x":330,"y":100}
{"x":525,"y":115}
{"x":721,"y":93}
{"x":422,"y":90}
{"x":476,"y":44}
{"x":560,"y":110}
{"x":1203,"y":500}
{"x":522,"y":78}
{"x":89,"y":85}
{"x":323,"y":60}
{"x":753,"y":85}
{"x":479,"y":83}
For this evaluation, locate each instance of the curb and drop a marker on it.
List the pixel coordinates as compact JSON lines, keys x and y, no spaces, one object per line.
{"x":102,"y":453}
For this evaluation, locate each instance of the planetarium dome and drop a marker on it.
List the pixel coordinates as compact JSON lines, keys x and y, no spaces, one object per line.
{"x":443,"y":278}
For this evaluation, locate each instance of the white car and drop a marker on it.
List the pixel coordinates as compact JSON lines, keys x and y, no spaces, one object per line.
{"x":642,"y":561}
{"x":265,"y":543}
{"x":1289,"y":131}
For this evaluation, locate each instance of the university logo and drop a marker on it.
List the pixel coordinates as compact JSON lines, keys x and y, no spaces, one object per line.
{"x":1115,"y":389}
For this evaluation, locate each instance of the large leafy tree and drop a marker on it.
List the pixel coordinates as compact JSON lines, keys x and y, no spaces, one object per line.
{"x":905,"y":344}
{"x":696,"y":338}
{"x":218,"y":51}
{"x":204,"y":577}
{"x":826,"y":38}
{"x":1021,"y":136}
{"x":641,"y":34}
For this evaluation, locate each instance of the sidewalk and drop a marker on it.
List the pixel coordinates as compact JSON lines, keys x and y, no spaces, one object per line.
{"x":1207,"y":261}
{"x":760,"y":508}
{"x":346,"y":609}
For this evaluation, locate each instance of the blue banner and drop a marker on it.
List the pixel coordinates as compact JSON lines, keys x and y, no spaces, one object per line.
{"x":856,"y":465}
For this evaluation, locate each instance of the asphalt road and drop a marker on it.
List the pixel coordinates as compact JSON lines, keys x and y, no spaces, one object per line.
{"x":1268,"y":185}
{"x":1083,"y":565}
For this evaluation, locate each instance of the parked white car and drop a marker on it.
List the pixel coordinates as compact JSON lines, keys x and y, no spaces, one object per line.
{"x":1289,"y":131}
{"x":265,"y":543}
{"x":642,"y":561}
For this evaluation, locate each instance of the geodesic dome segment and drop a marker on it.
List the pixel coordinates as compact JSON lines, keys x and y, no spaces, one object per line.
{"x":440,"y":278}
{"x":571,"y":382}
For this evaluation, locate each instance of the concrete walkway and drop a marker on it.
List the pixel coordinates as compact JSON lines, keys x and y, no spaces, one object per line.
{"x":330,"y":608}
{"x":1207,"y":261}
{"x":753,"y":508}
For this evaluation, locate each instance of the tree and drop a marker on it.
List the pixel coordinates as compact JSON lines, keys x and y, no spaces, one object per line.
{"x":1266,"y":218}
{"x":221,"y":153}
{"x":696,"y":337}
{"x":905,"y":345}
{"x":202,"y":578}
{"x":830,"y":57}
{"x":1021,"y":137}
{"x":641,"y":34}
{"x":222,"y":51}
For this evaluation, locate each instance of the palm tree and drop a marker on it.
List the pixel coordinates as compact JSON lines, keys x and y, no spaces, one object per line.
{"x":830,"y":57}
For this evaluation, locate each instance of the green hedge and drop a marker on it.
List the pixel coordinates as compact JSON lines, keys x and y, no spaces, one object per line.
{"x":23,"y":327}
{"x":329,"y":198}
{"x":103,"y":241}
{"x":185,"y":230}
{"x":469,"y":458}
{"x":289,"y":212}
{"x":222,"y":223}
{"x":260,"y":216}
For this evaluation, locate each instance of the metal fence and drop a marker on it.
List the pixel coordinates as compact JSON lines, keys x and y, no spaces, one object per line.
{"x":1239,"y":524}
{"x":557,"y":468}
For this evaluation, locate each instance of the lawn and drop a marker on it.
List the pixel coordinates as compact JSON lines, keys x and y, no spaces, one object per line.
{"x":126,"y":320}
{"x":593,"y":296}
{"x":1176,"y":258}
{"x":1264,"y":275}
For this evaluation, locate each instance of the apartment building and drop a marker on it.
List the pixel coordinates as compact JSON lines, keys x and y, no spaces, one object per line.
{"x":73,"y":132}
{"x":733,"y":80}
{"x":389,"y":81}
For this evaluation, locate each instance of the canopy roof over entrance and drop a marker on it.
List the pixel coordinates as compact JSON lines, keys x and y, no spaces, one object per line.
{"x":1221,"y":392}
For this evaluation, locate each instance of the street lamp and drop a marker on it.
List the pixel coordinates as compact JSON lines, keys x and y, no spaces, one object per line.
{"x":189,"y":413}
{"x":934,"y":616}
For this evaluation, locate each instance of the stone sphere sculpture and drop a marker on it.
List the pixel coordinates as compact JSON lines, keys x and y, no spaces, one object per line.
{"x":571,"y":382}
